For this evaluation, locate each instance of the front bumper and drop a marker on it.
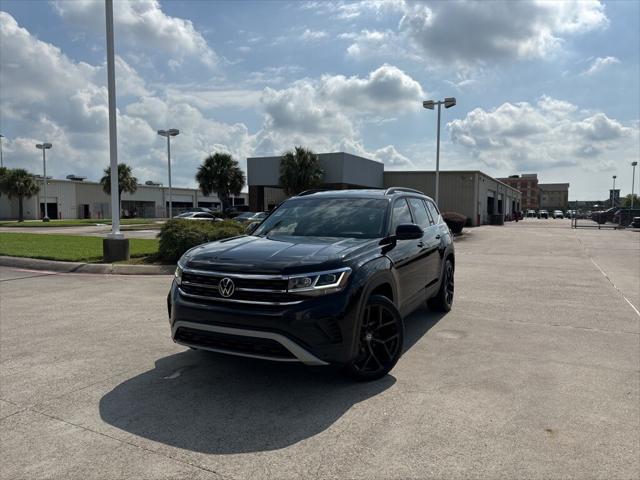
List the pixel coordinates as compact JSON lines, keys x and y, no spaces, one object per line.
{"x":317,"y":331}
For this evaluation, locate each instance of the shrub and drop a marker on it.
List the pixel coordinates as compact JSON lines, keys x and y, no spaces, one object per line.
{"x":455,"y":221}
{"x":177,"y":236}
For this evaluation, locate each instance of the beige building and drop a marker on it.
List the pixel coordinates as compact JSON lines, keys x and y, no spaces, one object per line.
{"x":76,"y":198}
{"x":472,"y":193}
{"x":554,"y":196}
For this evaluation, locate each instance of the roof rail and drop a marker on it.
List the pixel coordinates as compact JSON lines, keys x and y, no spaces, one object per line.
{"x":391,"y":190}
{"x":313,"y":190}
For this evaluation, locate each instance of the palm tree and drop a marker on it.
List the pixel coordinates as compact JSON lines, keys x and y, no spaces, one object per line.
{"x":220,"y":174}
{"x":126,"y":181}
{"x":299,"y":171}
{"x":18,"y":183}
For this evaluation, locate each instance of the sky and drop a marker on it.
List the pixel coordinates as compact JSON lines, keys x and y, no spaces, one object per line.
{"x":547,"y":87}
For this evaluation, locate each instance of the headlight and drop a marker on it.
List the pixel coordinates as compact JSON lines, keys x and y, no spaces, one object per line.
{"x":320,"y":282}
{"x":178,"y":274}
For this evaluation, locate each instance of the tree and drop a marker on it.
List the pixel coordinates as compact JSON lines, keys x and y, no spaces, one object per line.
{"x":626,"y":201}
{"x":18,"y":183}
{"x":126,"y":181}
{"x":299,"y":171}
{"x":220,"y":174}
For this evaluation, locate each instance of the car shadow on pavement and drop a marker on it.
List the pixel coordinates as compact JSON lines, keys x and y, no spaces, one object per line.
{"x":213,"y":403}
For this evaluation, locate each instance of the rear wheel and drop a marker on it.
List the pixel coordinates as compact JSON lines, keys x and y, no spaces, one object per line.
{"x":381,"y":340}
{"x":443,"y":300}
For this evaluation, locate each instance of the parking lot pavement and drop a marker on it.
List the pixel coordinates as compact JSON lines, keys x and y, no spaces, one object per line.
{"x":534,"y":374}
{"x":96,"y":230}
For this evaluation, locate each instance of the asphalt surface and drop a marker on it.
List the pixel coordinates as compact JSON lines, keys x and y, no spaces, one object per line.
{"x":534,"y":374}
{"x":96,"y":230}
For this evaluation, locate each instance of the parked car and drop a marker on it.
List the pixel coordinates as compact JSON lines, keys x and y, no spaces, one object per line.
{"x":604,"y":216}
{"x":531,"y":213}
{"x":236,"y":210}
{"x":558,"y":214}
{"x":624,"y":216}
{"x":198,"y":216}
{"x":327,"y":278}
{"x":543,"y":214}
{"x":250,"y":217}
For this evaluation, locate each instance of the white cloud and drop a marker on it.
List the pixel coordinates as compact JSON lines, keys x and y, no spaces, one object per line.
{"x":472,"y":33}
{"x":312,"y":35}
{"x":599,"y":64}
{"x":549,"y":134}
{"x":141,"y":24}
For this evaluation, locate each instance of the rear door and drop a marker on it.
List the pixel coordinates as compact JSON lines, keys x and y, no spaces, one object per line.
{"x":436,"y":238}
{"x":405,"y":255}
{"x":428,"y":259}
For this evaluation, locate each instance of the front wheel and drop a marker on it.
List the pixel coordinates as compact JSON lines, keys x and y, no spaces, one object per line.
{"x":381,"y":340}
{"x":443,"y":301}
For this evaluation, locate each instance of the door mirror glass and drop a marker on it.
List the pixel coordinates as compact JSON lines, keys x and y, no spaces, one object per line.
{"x":408,"y":231}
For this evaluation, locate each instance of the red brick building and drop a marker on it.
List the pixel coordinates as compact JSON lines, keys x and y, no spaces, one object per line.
{"x":527,"y":183}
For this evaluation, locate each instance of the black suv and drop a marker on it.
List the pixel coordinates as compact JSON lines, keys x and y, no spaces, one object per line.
{"x":326,"y":278}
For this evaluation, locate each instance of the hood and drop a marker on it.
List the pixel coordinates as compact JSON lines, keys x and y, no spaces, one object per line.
{"x":284,"y":254}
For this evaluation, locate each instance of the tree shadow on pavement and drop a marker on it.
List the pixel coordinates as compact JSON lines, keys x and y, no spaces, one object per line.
{"x":214,"y":403}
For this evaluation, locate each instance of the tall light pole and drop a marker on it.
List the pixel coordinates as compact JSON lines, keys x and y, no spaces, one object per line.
{"x":430,"y":104}
{"x":172,"y":132}
{"x":44,"y":147}
{"x":1,"y":160}
{"x":633,"y":182}
{"x":114,"y":247}
{"x":613,"y":192}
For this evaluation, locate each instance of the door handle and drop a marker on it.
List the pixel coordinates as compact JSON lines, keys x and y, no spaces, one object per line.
{"x":421,"y":244}
{"x":438,"y":237}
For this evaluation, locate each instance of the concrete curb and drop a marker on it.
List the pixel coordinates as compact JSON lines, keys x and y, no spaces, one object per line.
{"x":77,"y":267}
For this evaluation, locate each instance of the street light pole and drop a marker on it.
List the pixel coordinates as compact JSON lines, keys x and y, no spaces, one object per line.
{"x":430,"y":104}
{"x":633,"y":182}
{"x":44,"y":147}
{"x":1,"y":159}
{"x":172,"y":132}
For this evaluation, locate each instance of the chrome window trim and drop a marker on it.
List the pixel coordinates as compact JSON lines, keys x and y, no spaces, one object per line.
{"x":233,"y":300}
{"x":296,"y":350}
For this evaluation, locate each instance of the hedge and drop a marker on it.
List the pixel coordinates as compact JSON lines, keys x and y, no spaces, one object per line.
{"x":455,"y":221}
{"x":177,"y":235}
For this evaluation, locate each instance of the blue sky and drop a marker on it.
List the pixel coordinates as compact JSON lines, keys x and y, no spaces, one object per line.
{"x":547,"y":87}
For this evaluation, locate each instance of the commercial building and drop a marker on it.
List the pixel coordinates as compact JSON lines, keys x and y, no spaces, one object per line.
{"x":554,"y":196}
{"x":536,"y":196}
{"x":341,"y":171}
{"x":76,"y":198}
{"x":528,"y":186}
{"x":471,"y":193}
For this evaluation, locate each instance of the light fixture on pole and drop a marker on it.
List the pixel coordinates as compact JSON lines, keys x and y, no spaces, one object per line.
{"x":1,"y":159}
{"x":430,"y":104}
{"x":44,"y":147}
{"x":172,"y":132}
{"x":633,"y":182}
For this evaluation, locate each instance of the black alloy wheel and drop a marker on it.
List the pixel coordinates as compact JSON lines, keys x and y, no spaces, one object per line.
{"x":381,"y":340}
{"x":443,"y":301}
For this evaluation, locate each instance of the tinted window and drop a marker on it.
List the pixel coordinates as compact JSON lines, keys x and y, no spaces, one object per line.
{"x":203,"y":215}
{"x":419,"y":212}
{"x":327,"y":217}
{"x":433,"y":210}
{"x":401,"y":214}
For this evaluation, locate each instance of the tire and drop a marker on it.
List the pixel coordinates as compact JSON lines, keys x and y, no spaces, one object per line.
{"x":381,"y":340}
{"x":443,"y":301}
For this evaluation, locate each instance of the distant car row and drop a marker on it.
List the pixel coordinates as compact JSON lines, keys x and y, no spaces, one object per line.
{"x":205,"y":214}
{"x":545,"y":214}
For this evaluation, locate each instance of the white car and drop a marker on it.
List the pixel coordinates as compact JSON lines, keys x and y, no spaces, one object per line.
{"x":558,"y":214}
{"x":202,"y":216}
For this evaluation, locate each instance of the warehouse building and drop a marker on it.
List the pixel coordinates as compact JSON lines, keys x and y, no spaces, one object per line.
{"x":472,"y":193}
{"x":75,"y":197}
{"x":554,"y":196}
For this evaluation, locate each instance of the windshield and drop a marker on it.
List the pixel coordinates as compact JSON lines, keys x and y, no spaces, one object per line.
{"x":327,"y":217}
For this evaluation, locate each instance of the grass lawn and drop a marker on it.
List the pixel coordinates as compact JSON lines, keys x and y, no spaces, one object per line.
{"x":77,"y":222}
{"x":70,"y":248}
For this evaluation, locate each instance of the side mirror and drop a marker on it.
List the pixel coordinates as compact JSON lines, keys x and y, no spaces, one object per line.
{"x":408,"y":231}
{"x":249,"y":229}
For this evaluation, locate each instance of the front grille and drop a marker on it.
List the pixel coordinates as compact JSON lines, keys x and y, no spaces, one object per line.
{"x":265,"y":347}
{"x":205,"y":287}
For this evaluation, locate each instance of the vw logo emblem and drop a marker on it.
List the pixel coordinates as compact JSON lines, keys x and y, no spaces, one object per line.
{"x":226,"y":287}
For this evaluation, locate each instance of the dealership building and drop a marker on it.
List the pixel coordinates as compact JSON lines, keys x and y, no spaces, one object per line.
{"x":472,"y":193}
{"x":74,"y":197}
